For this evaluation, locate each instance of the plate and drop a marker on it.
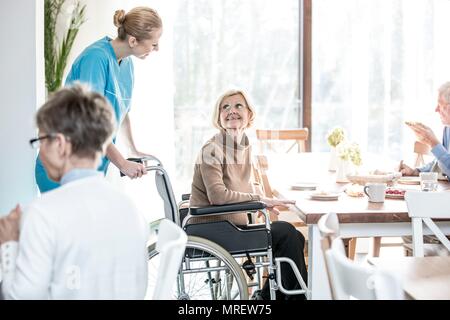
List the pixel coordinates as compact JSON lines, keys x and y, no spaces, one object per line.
{"x":391,"y":195}
{"x":395,"y":196}
{"x":355,"y":190}
{"x":302,"y":186}
{"x":362,"y":179}
{"x":409,"y":180}
{"x":325,"y":197}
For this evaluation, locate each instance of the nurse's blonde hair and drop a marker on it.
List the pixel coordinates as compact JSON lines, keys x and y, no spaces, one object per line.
{"x":138,"y":22}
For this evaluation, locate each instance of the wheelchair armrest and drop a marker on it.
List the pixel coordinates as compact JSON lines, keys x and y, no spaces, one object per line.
{"x":185,"y":197}
{"x":228,"y":208}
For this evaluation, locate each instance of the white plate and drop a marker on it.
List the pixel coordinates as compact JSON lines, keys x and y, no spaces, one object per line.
{"x":409,"y":180}
{"x":302,"y":186}
{"x":325,"y":197}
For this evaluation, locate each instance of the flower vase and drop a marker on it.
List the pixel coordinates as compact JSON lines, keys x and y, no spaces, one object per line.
{"x":333,"y":160}
{"x":344,"y":168}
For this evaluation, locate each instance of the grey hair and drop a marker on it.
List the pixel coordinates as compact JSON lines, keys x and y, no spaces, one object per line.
{"x":83,"y":116}
{"x":444,"y":91}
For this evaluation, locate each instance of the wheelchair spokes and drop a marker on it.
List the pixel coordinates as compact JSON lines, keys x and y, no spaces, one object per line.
{"x":207,"y":273}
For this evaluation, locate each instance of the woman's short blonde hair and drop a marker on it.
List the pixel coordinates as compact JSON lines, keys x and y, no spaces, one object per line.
{"x":229,"y":93}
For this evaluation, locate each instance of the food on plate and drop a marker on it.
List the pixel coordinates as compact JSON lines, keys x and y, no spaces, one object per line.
{"x":395,"y":192}
{"x":355,"y":191}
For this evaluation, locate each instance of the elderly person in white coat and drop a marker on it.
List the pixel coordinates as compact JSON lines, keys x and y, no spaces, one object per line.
{"x":84,"y":240}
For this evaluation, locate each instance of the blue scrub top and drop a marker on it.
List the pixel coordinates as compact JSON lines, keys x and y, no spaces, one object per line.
{"x":97,"y":67}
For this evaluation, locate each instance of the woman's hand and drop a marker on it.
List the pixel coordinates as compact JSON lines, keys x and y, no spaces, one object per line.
{"x":273,"y":203}
{"x":9,"y":226}
{"x":132,"y":169}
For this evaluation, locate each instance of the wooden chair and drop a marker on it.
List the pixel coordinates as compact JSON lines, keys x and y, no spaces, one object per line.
{"x":260,"y":172}
{"x":420,"y":150}
{"x":422,"y":207}
{"x":297,"y":136}
{"x":261,"y":168}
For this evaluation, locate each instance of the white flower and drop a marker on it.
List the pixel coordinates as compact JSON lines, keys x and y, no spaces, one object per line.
{"x":350,"y":152}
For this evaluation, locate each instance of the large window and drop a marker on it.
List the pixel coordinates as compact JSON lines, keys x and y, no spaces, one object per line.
{"x":250,"y":44}
{"x":377,"y":63}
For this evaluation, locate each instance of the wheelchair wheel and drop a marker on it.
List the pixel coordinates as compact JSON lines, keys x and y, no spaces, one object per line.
{"x":208,"y":272}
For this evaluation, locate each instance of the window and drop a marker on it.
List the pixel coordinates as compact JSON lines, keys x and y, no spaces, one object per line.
{"x":376,"y":64}
{"x":250,"y":44}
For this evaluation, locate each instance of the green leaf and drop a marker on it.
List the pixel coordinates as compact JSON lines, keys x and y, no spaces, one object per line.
{"x":56,"y":55}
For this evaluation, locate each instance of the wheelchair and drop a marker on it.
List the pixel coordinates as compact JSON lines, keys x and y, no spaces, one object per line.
{"x":210,"y":269}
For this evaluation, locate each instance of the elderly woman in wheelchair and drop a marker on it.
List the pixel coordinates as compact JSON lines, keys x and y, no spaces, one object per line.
{"x":219,"y":234}
{"x":223,"y":177}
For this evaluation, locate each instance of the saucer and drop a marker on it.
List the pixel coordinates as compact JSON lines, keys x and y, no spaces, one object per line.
{"x":302,"y":186}
{"x":409,"y":180}
{"x":325,"y":196}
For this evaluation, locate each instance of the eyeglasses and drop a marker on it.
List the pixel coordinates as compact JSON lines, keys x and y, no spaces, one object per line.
{"x":238,"y":106}
{"x":36,"y":142}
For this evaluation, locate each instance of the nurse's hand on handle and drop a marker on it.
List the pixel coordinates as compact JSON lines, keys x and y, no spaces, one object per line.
{"x":132,"y":169}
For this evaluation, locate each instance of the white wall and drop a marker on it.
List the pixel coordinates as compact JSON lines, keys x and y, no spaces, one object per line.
{"x":22,"y":91}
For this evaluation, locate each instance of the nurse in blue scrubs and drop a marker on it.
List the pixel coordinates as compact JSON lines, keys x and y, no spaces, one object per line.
{"x":106,"y":66}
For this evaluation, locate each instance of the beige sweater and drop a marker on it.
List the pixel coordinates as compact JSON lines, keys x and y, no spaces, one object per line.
{"x":223,"y":175}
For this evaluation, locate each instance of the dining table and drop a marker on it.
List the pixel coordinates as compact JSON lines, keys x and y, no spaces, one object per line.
{"x":358,"y":218}
{"x":422,"y":278}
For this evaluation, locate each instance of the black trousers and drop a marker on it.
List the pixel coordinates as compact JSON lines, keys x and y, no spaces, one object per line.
{"x":287,"y":242}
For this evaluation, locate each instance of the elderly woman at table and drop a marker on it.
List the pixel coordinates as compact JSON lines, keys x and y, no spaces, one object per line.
{"x":440,"y":150}
{"x":84,"y":240}
{"x":223,"y":175}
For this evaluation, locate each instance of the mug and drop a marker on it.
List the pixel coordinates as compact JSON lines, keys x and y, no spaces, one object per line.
{"x":428,"y":181}
{"x":375,"y":192}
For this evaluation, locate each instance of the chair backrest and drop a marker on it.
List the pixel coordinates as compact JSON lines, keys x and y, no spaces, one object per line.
{"x":359,"y":281}
{"x":328,"y":226}
{"x":297,"y":136}
{"x":422,"y":207}
{"x":420,"y":151}
{"x":171,"y":245}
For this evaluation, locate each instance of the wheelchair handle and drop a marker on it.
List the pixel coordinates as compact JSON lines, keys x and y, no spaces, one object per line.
{"x":144,"y":160}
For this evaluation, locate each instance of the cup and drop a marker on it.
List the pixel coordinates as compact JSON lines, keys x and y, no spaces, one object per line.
{"x":375,"y":192}
{"x":428,"y":181}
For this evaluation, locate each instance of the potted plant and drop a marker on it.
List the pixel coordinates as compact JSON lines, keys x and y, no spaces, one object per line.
{"x":334,"y":138}
{"x":349,"y":157}
{"x":56,"y":52}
